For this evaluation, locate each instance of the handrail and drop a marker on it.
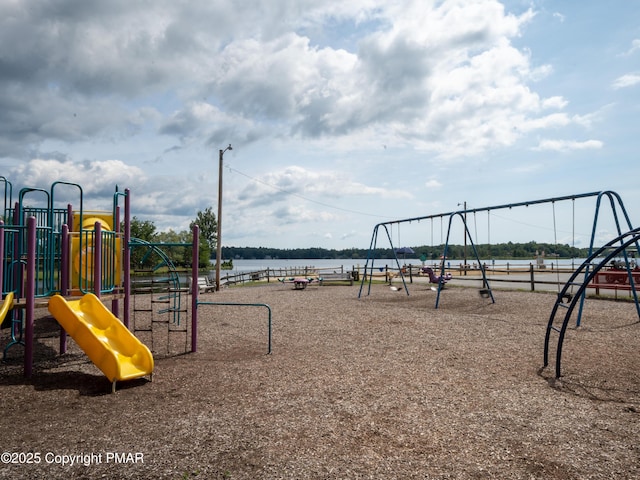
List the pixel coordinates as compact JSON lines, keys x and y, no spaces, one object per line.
{"x":232,"y":304}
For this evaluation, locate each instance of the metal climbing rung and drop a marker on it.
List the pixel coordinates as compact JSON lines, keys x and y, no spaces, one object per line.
{"x":178,"y":330}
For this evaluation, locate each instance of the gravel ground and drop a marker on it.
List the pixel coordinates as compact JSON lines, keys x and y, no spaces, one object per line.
{"x":379,"y":387}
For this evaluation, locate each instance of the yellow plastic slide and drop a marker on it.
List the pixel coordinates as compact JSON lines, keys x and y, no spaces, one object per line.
{"x":7,"y":305}
{"x":105,"y":340}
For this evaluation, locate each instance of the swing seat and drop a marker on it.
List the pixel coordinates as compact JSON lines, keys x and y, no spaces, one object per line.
{"x":433,"y":278}
{"x":484,"y":292}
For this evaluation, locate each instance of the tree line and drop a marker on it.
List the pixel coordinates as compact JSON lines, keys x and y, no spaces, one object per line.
{"x":508,"y":250}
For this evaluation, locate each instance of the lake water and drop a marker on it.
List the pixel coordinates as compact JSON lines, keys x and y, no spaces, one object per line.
{"x":274,"y":264}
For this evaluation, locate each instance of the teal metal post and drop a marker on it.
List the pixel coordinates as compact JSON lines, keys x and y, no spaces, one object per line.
{"x":195,"y":291}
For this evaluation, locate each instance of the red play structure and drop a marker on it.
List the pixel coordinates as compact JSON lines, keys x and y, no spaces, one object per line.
{"x":615,"y":276}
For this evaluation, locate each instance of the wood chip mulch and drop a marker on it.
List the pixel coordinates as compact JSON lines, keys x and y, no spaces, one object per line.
{"x":379,"y":387}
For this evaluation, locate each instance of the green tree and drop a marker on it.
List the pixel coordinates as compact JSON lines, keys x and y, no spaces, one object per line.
{"x":182,"y":255}
{"x":208,"y":227}
{"x":178,"y":254}
{"x":142,"y":229}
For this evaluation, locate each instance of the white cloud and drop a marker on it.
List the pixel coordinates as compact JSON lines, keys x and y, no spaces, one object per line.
{"x":528,"y":168}
{"x":554,"y":103}
{"x":96,"y":178}
{"x":628,"y":80}
{"x":170,"y":202}
{"x":433,"y":183}
{"x":559,"y":16}
{"x":350,"y":234}
{"x":569,"y":145}
{"x":440,"y":77}
{"x":322,"y":187}
{"x":635,"y":46}
{"x":553,"y":120}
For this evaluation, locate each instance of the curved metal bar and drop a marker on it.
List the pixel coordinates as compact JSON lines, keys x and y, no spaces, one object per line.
{"x":69,"y":222}
{"x":232,"y":304}
{"x":6,"y":183}
{"x":578,"y":298}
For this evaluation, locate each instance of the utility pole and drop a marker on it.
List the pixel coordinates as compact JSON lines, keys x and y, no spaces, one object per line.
{"x":219,"y":229}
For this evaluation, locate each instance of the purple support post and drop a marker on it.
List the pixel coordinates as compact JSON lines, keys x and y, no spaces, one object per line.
{"x":65,"y":273}
{"x":194,"y":288}
{"x":17,"y":252}
{"x":126,"y":257}
{"x":30,"y":296}
{"x":97,"y":259}
{"x":115,"y":303}
{"x":64,"y":280}
{"x":70,"y":217}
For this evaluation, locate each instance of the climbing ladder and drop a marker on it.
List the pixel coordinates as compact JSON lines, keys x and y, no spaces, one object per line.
{"x":172,"y":297}
{"x":166,"y":308}
{"x":567,"y":299}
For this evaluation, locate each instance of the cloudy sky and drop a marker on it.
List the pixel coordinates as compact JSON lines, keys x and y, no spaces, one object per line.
{"x":341,"y":114}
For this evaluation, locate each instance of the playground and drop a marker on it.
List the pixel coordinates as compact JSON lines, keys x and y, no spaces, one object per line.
{"x":153,"y":375}
{"x":380,"y":387}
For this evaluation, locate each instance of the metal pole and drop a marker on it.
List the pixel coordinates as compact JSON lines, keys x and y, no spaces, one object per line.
{"x":97,"y":259}
{"x":115,"y":303}
{"x":126,"y":257}
{"x":465,"y":238}
{"x":195,"y":291}
{"x":30,"y":296}
{"x":219,"y":229}
{"x":1,"y":256}
{"x":64,"y":276}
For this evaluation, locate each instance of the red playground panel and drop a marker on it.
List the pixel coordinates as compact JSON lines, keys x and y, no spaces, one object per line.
{"x":616,"y":278}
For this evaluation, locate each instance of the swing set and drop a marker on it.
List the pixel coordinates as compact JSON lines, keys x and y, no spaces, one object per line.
{"x":615,"y":203}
